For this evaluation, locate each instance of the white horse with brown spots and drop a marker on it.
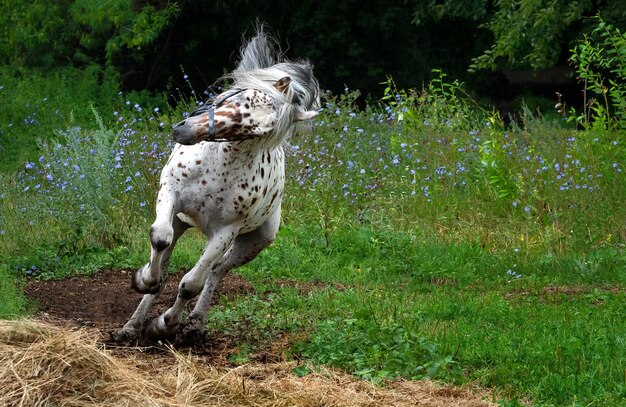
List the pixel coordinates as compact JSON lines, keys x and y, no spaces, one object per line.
{"x":226,"y":177}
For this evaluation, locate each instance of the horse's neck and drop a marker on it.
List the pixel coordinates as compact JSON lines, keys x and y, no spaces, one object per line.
{"x":253,"y":151}
{"x":259,"y":146}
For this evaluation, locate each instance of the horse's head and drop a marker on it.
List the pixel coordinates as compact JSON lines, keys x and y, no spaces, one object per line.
{"x":268,"y":97}
{"x":242,"y":114}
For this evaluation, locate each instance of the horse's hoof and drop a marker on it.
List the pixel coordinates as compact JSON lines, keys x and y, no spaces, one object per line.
{"x":125,"y":337}
{"x":192,"y":334}
{"x":137,"y":283}
{"x":157,"y":330}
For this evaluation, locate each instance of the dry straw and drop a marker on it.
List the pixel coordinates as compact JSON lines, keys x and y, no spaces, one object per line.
{"x":46,"y":365}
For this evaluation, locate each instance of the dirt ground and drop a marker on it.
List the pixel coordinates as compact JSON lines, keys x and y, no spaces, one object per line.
{"x":105,"y":301}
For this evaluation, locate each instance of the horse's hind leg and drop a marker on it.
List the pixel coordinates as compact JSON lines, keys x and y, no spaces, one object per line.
{"x":192,"y":283}
{"x":134,"y":327}
{"x":246,"y":247}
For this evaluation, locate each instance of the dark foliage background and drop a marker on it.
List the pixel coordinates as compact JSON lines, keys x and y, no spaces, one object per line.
{"x":149,"y":43}
{"x":352,"y":43}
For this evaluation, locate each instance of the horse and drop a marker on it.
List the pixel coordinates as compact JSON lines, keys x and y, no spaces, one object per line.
{"x":226,"y":177}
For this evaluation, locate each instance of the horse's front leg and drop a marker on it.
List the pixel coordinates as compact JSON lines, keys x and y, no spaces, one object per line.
{"x":148,"y":280}
{"x":193,"y":282}
{"x":133,"y":329}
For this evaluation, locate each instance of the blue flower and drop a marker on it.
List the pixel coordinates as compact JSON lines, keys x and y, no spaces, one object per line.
{"x":513,"y":274}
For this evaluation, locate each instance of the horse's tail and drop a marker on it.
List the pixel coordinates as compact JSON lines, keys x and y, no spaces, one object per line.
{"x":258,"y":53}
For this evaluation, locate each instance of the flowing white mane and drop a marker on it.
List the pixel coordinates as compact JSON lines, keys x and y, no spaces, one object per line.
{"x":285,"y":93}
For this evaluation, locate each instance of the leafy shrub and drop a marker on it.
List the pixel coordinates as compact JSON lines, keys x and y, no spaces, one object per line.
{"x":442,"y":105}
{"x":600,"y":61}
{"x":82,"y":162}
{"x":87,"y":187}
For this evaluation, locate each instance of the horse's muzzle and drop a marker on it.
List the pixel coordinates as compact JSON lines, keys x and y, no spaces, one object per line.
{"x":186,"y":134}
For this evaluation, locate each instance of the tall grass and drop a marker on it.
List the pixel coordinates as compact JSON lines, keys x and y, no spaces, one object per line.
{"x":12,"y":302}
{"x":35,"y":104}
{"x":542,"y":190}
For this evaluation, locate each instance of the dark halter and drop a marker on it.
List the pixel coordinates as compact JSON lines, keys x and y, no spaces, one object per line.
{"x":210,"y":109}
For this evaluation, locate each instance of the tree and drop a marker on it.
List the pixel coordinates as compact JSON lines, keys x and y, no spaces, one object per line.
{"x":526,"y":34}
{"x":45,"y":34}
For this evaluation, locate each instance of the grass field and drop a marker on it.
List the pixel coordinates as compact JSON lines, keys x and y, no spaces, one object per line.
{"x":443,"y":244}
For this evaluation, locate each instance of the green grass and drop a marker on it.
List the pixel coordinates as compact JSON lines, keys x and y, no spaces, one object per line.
{"x":12,"y":303}
{"x":438,"y":243}
{"x":554,"y":335}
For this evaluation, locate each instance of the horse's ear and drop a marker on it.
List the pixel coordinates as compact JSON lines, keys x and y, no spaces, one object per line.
{"x":282,"y":84}
{"x":309,"y":114}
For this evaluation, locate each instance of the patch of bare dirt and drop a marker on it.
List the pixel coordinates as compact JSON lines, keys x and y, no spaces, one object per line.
{"x":106,"y":300}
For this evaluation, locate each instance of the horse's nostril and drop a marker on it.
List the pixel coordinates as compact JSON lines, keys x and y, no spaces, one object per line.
{"x":184,"y":135}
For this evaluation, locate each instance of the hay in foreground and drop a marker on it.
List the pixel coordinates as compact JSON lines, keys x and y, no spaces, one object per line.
{"x":45,"y":365}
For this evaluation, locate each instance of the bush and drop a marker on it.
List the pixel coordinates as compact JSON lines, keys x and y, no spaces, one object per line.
{"x":86,"y":189}
{"x":600,"y":61}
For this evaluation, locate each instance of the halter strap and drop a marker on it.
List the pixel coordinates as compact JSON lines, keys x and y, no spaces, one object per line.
{"x":210,"y":110}
{"x":217,"y":103}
